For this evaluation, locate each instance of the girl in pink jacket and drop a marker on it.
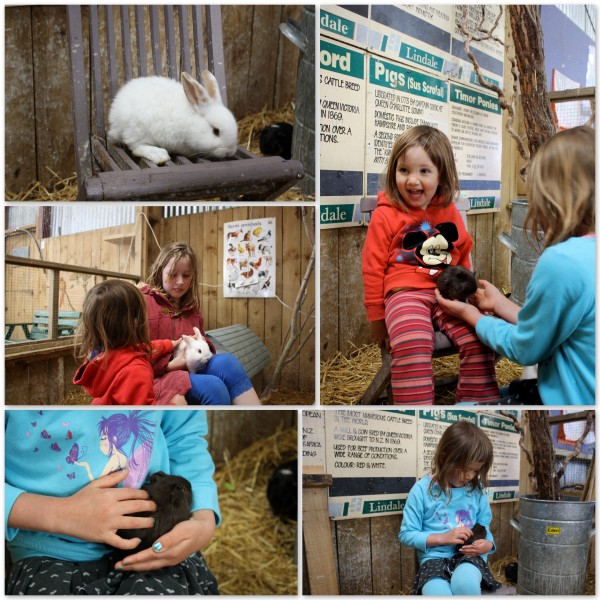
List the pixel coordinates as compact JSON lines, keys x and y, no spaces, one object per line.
{"x":173,"y":307}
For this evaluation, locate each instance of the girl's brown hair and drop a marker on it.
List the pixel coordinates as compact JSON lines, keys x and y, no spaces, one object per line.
{"x":561,"y":187}
{"x":113,"y":316}
{"x":461,"y":445}
{"x":177,"y":251}
{"x":438,"y":148}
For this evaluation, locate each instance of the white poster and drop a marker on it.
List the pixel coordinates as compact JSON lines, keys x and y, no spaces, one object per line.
{"x":249,"y":259}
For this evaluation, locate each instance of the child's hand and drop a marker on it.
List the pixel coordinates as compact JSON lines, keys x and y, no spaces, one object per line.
{"x":99,"y":509}
{"x":178,"y":399}
{"x":178,"y":363}
{"x":462,"y":310}
{"x":183,"y":540}
{"x":459,"y":535}
{"x":379,"y":333}
{"x":477,"y":548}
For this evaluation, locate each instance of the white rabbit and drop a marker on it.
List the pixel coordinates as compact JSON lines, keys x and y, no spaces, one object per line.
{"x":154,"y":116}
{"x":197,"y":351}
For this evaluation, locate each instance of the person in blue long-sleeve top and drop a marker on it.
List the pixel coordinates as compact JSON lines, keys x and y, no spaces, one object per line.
{"x":72,"y":481}
{"x":441,"y":511}
{"x":555,"y":328}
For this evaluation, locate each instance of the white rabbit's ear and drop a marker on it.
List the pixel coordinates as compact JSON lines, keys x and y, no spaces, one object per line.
{"x":194,"y":92}
{"x":187,"y":339}
{"x":197,"y":334}
{"x":212,"y":86}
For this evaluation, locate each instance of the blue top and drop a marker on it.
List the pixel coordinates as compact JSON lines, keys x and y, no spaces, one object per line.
{"x":556,"y":326}
{"x":57,"y":452}
{"x":425,"y":515}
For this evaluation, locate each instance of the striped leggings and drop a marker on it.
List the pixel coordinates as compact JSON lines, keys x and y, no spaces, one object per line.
{"x":410,"y":317}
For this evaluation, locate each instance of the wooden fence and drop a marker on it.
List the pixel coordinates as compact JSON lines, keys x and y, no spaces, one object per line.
{"x":261,"y":66}
{"x":112,"y":249}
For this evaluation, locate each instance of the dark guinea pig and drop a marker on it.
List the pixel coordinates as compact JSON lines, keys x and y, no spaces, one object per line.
{"x":173,"y":497}
{"x":276,"y":140}
{"x":479,"y":533}
{"x":282,"y":490}
{"x":456,"y":283}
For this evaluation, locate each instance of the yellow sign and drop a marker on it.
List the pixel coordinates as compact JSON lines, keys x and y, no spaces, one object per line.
{"x":552,"y":530}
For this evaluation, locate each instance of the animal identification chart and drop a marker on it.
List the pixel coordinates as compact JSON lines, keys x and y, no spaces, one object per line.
{"x":376,"y":456}
{"x":249,"y":265}
{"x":387,"y":68}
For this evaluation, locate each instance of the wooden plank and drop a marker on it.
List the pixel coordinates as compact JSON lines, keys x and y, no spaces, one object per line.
{"x":318,"y":546}
{"x":408,"y":566}
{"x":354,"y":537}
{"x":210,"y":259}
{"x":386,"y":555}
{"x":288,"y":57}
{"x":329,"y":290}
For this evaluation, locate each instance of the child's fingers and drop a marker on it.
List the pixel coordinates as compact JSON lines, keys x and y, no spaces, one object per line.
{"x":117,"y":541}
{"x":133,"y":522}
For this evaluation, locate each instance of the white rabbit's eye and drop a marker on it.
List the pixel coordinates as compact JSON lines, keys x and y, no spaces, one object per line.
{"x":216,"y":131}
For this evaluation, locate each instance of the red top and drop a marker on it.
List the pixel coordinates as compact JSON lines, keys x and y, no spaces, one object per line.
{"x":167,"y":322}
{"x":409,"y":250}
{"x":124,"y":377}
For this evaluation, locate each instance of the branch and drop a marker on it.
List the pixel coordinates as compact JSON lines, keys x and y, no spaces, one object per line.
{"x":507,"y":104}
{"x":578,"y":444}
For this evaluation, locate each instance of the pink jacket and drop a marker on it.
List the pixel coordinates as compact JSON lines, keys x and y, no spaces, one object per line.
{"x":167,"y":322}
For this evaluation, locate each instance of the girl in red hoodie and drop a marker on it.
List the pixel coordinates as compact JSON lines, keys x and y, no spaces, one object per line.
{"x":415,"y":232}
{"x":113,"y":338}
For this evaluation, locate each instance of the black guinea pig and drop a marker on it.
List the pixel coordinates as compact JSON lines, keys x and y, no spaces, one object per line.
{"x":456,"y":283}
{"x":511,"y":572}
{"x":282,"y":490}
{"x":173,"y":497}
{"x":276,"y":140}
{"x":479,"y":533}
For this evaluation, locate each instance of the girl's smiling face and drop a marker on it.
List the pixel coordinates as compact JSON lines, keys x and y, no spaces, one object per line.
{"x":177,"y":277}
{"x":461,"y":477}
{"x":417,"y":178}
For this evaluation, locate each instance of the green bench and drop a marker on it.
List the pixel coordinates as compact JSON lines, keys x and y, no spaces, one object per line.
{"x":67,"y":324}
{"x":244,"y":344}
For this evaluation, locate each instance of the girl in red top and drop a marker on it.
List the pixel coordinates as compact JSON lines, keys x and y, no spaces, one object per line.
{"x":113,"y":338}
{"x":173,"y":306}
{"x":415,"y":232}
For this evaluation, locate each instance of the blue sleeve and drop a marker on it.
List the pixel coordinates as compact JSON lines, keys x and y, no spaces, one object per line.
{"x":189,"y":457}
{"x":411,"y":531}
{"x":11,"y":493}
{"x":549,"y":316}
{"x":484,"y":517}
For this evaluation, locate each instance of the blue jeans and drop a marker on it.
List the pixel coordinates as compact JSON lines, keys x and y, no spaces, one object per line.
{"x":223,"y":380}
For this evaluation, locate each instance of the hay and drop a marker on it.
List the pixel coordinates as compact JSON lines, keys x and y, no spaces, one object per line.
{"x":253,"y":552}
{"x":345,"y":379}
{"x":60,"y":189}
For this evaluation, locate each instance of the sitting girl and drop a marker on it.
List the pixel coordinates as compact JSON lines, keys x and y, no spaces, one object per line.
{"x":113,"y":338}
{"x":173,"y":304}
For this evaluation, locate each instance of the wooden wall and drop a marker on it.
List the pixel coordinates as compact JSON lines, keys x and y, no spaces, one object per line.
{"x":261,"y":66}
{"x":110,"y":249}
{"x":370,"y":560}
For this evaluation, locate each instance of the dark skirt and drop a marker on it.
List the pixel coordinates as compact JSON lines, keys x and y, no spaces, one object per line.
{"x":444,"y":567}
{"x":47,"y":576}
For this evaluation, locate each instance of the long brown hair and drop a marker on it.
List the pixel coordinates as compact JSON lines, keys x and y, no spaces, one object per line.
{"x":177,"y":251}
{"x":561,"y":187}
{"x":461,"y":445}
{"x":437,"y":146}
{"x":113,"y":316}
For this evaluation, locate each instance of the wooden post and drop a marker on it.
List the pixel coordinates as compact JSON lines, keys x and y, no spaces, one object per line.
{"x":318,"y":545}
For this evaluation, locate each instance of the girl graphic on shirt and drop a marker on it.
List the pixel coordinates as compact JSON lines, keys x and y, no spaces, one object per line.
{"x":442,"y":508}
{"x":556,"y":326}
{"x":415,"y":232}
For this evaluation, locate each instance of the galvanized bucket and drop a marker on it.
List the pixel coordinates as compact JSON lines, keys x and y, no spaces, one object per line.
{"x":525,"y":255}
{"x":553,"y":545}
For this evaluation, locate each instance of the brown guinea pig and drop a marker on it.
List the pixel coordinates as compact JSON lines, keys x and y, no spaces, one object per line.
{"x":173,"y":497}
{"x":456,"y":283}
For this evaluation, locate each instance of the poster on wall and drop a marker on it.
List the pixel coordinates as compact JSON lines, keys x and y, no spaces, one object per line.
{"x":376,"y":456}
{"x":249,"y":264}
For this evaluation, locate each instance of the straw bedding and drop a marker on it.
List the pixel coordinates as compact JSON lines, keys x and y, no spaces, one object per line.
{"x":345,"y":378}
{"x":253,"y":551}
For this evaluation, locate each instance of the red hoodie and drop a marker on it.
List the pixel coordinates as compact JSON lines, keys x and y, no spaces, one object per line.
{"x":123,"y":376}
{"x":409,"y":250}
{"x":167,"y":322}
